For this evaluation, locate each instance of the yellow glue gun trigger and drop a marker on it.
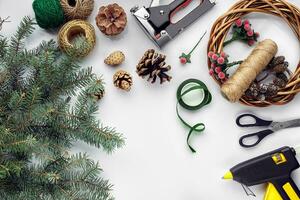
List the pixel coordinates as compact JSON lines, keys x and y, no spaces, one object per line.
{"x":273,"y":194}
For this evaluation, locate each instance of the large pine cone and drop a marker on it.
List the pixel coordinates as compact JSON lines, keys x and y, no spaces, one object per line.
{"x":111,"y":19}
{"x":153,"y":65}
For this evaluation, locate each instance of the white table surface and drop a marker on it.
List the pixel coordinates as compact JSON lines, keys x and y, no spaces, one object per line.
{"x":156,"y":163}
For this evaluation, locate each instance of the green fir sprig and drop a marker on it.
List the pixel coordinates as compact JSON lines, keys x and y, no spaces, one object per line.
{"x":38,"y":123}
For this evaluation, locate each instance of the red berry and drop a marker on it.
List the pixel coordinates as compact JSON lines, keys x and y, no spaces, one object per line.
{"x":246,"y":21}
{"x":213,"y":65}
{"x":183,"y":60}
{"x":210,"y":54}
{"x":221,"y":75}
{"x":251,"y":42}
{"x":257,"y":34}
{"x":239,"y":22}
{"x":223,"y":54}
{"x":214,"y":57}
{"x":221,"y":60}
{"x":211,"y":72}
{"x":247,"y":27}
{"x":218,"y":70}
{"x":250,"y":33}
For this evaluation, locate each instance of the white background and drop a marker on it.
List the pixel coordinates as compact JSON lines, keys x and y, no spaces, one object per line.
{"x":156,"y":163}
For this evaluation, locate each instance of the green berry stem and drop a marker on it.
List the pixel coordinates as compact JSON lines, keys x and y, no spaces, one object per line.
{"x":233,"y":64}
{"x":197,"y":43}
{"x":229,"y":41}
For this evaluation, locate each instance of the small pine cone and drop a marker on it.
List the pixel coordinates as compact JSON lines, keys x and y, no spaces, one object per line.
{"x":154,"y":66}
{"x":272,"y":91}
{"x":96,"y":90}
{"x":276,"y":61}
{"x":99,"y":95}
{"x":263,"y":88}
{"x":122,"y":80}
{"x":282,"y":76}
{"x":253,"y":91}
{"x":253,"y":86}
{"x":261,"y":97}
{"x":279,"y":82}
{"x":251,"y":94}
{"x":281,"y":68}
{"x":115,"y":58}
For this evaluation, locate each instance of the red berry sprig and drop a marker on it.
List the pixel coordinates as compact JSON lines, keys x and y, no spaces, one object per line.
{"x":220,"y":64}
{"x":242,"y":31}
{"x":186,"y":58}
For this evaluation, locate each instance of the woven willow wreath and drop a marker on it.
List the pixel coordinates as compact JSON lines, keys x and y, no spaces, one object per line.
{"x":288,"y":12}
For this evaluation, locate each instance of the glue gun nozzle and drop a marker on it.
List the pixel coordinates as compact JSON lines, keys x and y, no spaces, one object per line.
{"x":228,"y":176}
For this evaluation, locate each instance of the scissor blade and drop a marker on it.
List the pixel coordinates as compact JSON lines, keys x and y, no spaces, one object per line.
{"x":287,"y":124}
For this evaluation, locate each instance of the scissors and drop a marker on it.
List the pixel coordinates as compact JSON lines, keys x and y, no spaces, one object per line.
{"x":271,"y":127}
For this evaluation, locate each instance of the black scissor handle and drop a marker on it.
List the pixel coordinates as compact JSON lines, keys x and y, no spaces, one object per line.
{"x":259,"y":135}
{"x":258,"y":121}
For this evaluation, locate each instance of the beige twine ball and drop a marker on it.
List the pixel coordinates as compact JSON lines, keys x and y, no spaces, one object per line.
{"x":76,"y":28}
{"x":77,"y":9}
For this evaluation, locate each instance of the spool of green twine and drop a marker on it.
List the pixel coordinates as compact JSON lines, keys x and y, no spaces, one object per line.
{"x":48,"y":13}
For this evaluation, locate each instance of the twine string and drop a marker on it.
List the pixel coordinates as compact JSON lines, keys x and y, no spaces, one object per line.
{"x":81,"y":9}
{"x":77,"y":28}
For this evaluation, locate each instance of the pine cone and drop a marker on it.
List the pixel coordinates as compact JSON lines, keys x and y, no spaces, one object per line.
{"x":279,"y":82}
{"x":253,"y":91}
{"x":99,"y":95}
{"x":153,"y":65}
{"x":276,"y":61}
{"x":122,"y":80}
{"x":261,"y":97}
{"x":281,"y":68}
{"x":263,"y":88}
{"x":272,"y":91}
{"x":115,"y":58}
{"x":96,"y":90}
{"x":111,"y":19}
{"x":283,"y":77}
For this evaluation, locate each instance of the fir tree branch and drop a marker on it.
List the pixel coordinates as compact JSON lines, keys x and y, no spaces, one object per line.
{"x":38,"y":124}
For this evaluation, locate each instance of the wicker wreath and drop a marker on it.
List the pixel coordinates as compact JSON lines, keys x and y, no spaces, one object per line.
{"x":288,"y":12}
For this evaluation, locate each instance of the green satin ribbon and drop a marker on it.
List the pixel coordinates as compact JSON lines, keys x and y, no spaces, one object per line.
{"x":183,"y":91}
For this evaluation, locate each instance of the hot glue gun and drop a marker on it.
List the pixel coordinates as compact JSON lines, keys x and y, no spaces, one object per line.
{"x":274,"y":168}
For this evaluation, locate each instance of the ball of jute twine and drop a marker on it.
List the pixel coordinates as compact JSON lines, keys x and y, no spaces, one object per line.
{"x":75,"y":28}
{"x":234,"y":88}
{"x":281,"y":8}
{"x":77,"y":9}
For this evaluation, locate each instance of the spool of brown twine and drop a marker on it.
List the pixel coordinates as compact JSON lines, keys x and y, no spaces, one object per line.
{"x":239,"y":82}
{"x":77,"y":9}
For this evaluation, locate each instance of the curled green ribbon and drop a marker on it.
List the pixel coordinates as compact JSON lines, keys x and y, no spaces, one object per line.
{"x":181,"y":92}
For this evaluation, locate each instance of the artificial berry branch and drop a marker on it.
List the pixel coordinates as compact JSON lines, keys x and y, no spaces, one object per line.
{"x":242,"y":31}
{"x":220,"y":64}
{"x":186,"y":58}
